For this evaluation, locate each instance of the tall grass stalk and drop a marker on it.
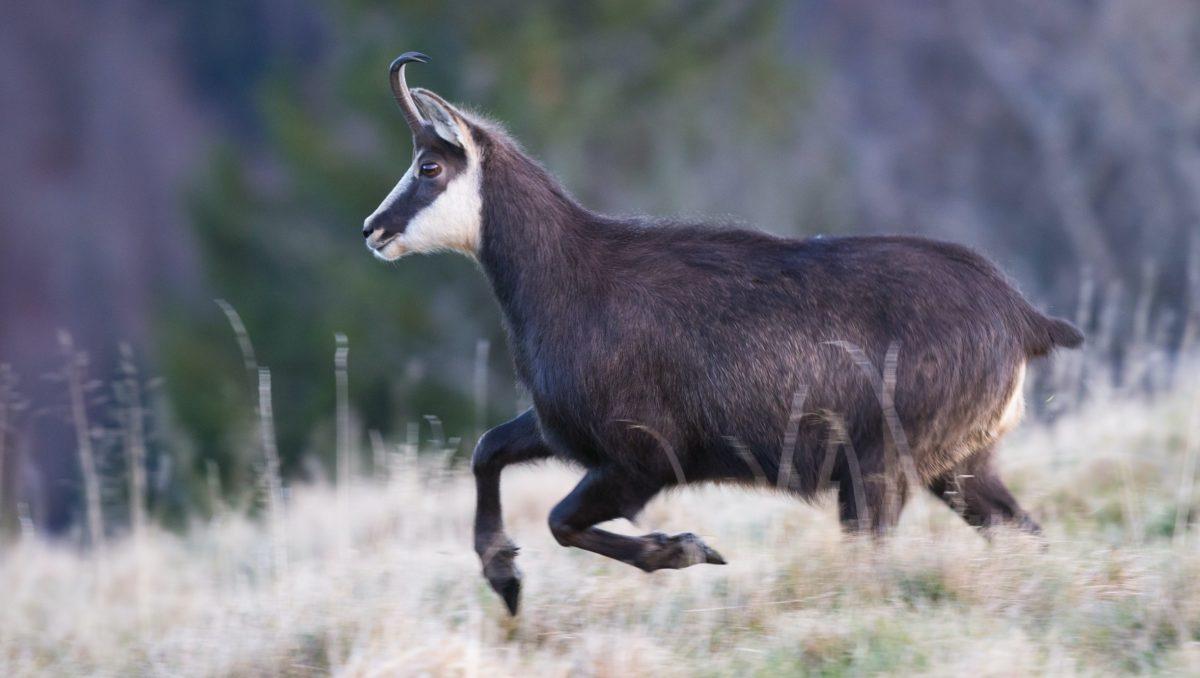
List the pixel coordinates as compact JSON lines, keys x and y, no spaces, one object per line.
{"x":341,"y":356}
{"x":1070,"y":368}
{"x":134,"y":439}
{"x":25,"y":520}
{"x":1108,"y":326}
{"x":130,"y":412}
{"x":791,"y":436}
{"x":856,"y":476}
{"x":665,"y":446}
{"x":74,"y":374}
{"x":406,"y":460}
{"x":1191,"y":326}
{"x":895,"y":430}
{"x":242,"y":336}
{"x":379,"y":454}
{"x":1133,"y":514}
{"x":271,"y":478}
{"x":1142,"y":348}
{"x":3,"y":451}
{"x":760,"y":477}
{"x":1187,"y":478}
{"x":6,"y":397}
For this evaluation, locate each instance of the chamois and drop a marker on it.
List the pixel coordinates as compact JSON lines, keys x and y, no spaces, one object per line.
{"x":659,"y":354}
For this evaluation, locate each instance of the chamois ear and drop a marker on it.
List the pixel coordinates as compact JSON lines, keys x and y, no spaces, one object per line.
{"x":447,"y":122}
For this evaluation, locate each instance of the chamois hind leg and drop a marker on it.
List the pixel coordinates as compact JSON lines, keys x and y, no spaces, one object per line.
{"x":879,"y":512}
{"x":974,"y":490}
{"x":603,"y":495}
{"x":870,"y":496}
{"x":510,"y":443}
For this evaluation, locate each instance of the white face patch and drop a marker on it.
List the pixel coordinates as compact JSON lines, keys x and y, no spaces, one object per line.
{"x":453,"y":221}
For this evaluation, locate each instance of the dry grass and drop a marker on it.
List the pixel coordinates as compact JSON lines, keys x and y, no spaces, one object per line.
{"x":385,"y":583}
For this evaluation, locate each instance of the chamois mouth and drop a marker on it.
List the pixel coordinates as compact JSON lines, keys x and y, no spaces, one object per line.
{"x":380,"y":244}
{"x":387,"y":250}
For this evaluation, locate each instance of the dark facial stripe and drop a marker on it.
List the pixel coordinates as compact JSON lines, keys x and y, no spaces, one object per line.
{"x":421,"y":191}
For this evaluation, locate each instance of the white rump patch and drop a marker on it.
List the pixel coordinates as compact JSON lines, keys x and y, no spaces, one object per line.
{"x":1014,"y":409}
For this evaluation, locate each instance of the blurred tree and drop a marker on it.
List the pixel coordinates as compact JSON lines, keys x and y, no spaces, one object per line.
{"x":278,"y":221}
{"x":100,"y":141}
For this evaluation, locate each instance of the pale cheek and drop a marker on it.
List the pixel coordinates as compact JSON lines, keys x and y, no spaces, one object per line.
{"x":452,"y":222}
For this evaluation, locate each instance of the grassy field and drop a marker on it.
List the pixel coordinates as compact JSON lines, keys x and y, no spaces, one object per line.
{"x":378,"y":578}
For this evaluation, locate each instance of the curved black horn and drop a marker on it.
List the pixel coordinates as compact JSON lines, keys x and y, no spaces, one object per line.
{"x":400,"y":88}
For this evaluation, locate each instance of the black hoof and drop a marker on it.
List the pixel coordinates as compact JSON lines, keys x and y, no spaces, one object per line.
{"x":510,"y":591}
{"x":1028,"y":525}
{"x":504,"y":577}
{"x":712,"y":557}
{"x":676,"y":552}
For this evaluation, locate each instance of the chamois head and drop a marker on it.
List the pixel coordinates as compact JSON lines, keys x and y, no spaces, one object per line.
{"x":437,"y":205}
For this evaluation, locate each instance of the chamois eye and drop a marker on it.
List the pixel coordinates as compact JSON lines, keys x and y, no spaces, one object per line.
{"x":430,"y":169}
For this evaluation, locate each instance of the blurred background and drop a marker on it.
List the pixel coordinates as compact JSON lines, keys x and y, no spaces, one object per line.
{"x":159,"y":156}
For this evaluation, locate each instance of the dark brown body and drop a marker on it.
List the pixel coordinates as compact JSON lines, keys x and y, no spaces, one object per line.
{"x":660,"y":354}
{"x":704,"y":338}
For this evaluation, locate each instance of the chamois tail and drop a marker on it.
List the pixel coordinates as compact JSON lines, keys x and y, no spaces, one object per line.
{"x":1048,"y":333}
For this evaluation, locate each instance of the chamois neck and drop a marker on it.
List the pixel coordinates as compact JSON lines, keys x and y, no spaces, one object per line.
{"x":534,"y":234}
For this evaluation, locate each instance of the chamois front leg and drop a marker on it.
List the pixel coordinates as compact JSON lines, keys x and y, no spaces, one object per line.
{"x":602,"y":496}
{"x":513,"y":442}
